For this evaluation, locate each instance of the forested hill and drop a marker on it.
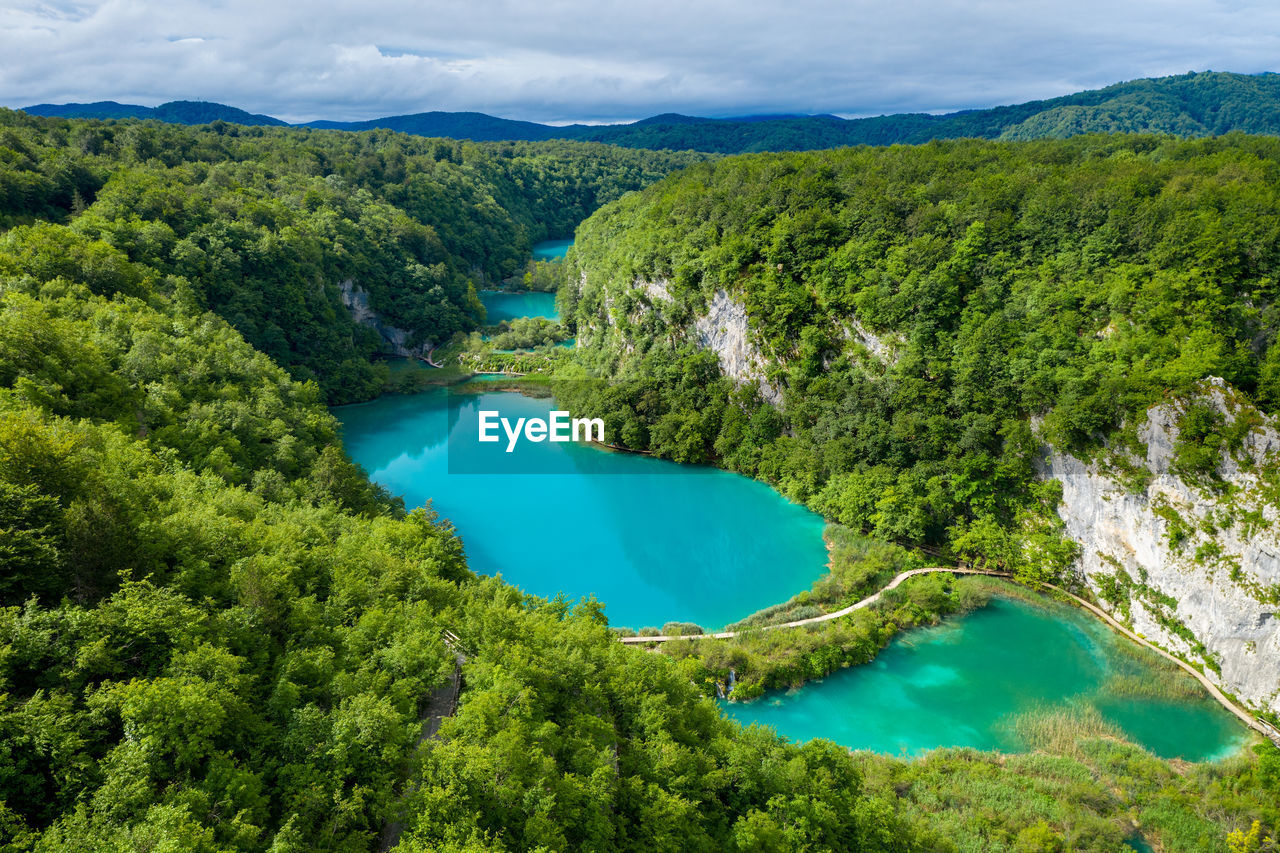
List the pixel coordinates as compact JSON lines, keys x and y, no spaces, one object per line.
{"x":263,"y":225}
{"x":175,"y":112}
{"x":1057,"y":356}
{"x":1197,"y":104}
{"x":1187,"y":105}
{"x":913,"y":307}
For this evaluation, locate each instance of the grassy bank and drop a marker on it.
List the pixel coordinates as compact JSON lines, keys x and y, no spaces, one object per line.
{"x":765,"y":660}
{"x":1098,"y":793}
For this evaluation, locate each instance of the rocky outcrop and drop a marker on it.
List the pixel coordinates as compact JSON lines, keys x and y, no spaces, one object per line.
{"x":725,"y":331}
{"x":1194,"y":567}
{"x":657,"y":291}
{"x":880,"y":348}
{"x":723,"y":328}
{"x":396,"y":341}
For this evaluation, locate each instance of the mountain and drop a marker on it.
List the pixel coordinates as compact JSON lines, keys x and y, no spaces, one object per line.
{"x":174,"y":112}
{"x":478,"y":127}
{"x":1203,"y":104}
{"x":1196,"y":104}
{"x":98,"y":109}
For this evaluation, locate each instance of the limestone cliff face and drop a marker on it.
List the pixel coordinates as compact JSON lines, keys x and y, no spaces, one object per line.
{"x":648,"y":307}
{"x":394,"y":339}
{"x":724,"y":330}
{"x":1193,"y":567}
{"x":881,"y":347}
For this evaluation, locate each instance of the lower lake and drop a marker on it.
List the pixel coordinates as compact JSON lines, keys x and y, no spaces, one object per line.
{"x":967,"y":681}
{"x":655,"y":542}
{"x":549,"y":250}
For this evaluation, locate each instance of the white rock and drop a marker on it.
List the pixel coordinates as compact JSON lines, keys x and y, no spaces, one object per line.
{"x":725,"y":331}
{"x":1115,"y":527}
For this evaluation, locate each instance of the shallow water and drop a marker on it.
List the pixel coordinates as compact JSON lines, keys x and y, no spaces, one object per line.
{"x":653,"y":540}
{"x":962,"y":682}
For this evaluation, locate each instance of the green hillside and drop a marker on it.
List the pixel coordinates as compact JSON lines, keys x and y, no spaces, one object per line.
{"x":1077,"y":282}
{"x":1198,"y":104}
{"x":263,"y":225}
{"x":216,"y":635}
{"x":1204,"y":104}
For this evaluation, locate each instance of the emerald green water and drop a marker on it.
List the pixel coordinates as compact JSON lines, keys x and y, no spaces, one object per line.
{"x":653,"y":540}
{"x":960,"y":683}
{"x":549,"y":250}
{"x":501,"y":305}
{"x":403,"y":365}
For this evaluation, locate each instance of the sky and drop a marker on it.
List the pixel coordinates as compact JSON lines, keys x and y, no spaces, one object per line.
{"x":599,"y":60}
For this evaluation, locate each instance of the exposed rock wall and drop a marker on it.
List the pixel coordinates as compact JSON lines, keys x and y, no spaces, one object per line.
{"x":724,"y":330}
{"x":396,"y":341}
{"x":879,"y":346}
{"x":1193,"y":568}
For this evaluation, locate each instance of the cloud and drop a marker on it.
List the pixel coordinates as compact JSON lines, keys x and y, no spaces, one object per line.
{"x":564,"y":60}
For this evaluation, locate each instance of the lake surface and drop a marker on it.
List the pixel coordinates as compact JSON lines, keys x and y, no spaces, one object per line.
{"x":959,"y":683}
{"x":501,"y":305}
{"x":404,"y":365}
{"x":653,"y":540}
{"x":549,"y":250}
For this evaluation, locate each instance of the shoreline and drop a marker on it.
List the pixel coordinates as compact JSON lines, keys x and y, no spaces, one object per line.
{"x":1253,"y":723}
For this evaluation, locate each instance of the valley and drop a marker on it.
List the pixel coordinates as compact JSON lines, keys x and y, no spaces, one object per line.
{"x":236,"y":568}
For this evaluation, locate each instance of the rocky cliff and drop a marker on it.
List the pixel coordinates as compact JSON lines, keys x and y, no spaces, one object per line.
{"x":1188,"y":556}
{"x":724,"y":330}
{"x":720,"y":326}
{"x":395,"y":341}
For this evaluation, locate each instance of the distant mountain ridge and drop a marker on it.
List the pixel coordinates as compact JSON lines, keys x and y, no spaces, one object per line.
{"x":174,"y":112}
{"x":1195,"y":104}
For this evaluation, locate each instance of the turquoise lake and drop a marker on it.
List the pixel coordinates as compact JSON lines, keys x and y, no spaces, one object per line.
{"x":653,"y":540}
{"x":501,"y":305}
{"x":549,"y":250}
{"x":960,"y":683}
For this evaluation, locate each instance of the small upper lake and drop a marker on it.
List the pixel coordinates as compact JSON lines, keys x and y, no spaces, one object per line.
{"x":653,"y":540}
{"x":963,"y":683}
{"x":549,"y":250}
{"x":502,"y":305}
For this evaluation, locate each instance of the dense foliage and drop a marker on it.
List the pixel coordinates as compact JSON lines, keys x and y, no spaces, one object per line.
{"x":916,"y":306}
{"x":1186,"y":105}
{"x":265,"y":226}
{"x":217,"y":635}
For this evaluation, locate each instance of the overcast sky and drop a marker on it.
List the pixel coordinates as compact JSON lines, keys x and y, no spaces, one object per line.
{"x":600,"y":60}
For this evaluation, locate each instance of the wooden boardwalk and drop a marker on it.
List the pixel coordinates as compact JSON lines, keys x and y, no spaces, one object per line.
{"x":814,"y":620}
{"x":1265,"y":729}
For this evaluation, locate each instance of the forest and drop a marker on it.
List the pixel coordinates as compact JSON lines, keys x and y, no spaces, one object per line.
{"x":217,"y":635}
{"x":1196,"y":104}
{"x":263,"y":225}
{"x":916,"y":307}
